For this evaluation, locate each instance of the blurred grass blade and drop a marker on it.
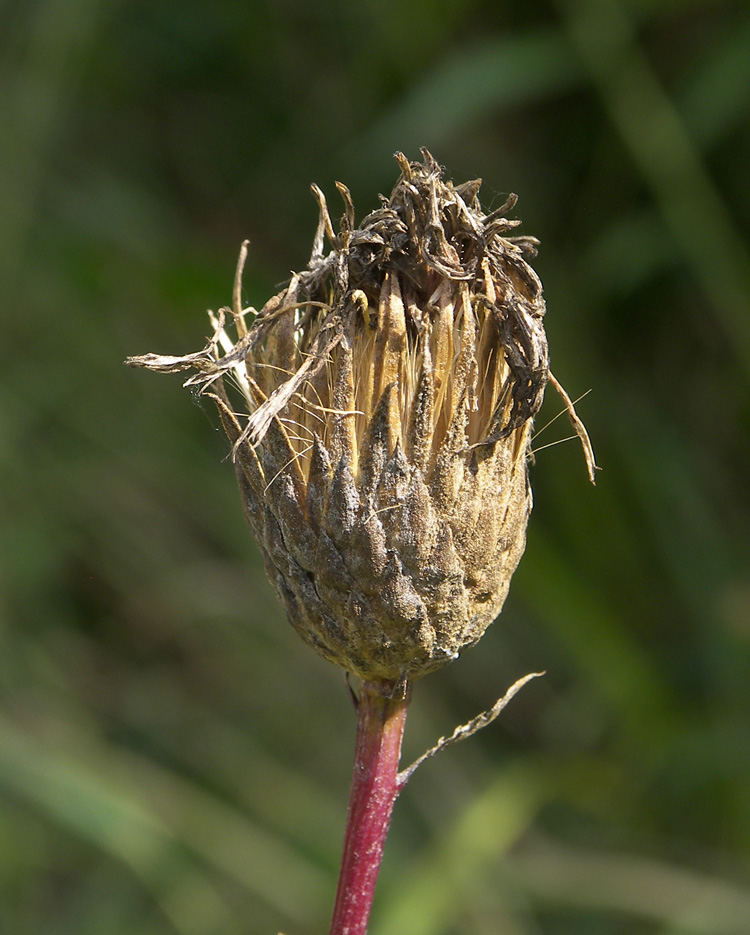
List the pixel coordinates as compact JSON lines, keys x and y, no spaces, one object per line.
{"x":469,"y":86}
{"x":156,"y":822}
{"x":668,"y":159}
{"x":35,"y":102}
{"x":681,"y":899}
{"x":430,"y":895}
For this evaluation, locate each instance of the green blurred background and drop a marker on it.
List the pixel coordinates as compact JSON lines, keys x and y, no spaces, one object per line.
{"x":173,"y":761}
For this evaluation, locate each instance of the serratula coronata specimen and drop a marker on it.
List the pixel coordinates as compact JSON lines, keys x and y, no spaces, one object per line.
{"x":381,"y":430}
{"x":380,"y":410}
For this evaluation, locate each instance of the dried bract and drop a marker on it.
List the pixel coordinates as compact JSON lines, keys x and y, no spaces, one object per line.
{"x":386,"y":398}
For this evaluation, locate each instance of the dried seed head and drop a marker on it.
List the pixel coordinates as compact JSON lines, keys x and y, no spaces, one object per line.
{"x":386,"y":396}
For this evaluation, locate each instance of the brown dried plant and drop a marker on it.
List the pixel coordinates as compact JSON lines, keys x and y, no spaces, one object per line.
{"x":382,"y":438}
{"x":380,"y":410}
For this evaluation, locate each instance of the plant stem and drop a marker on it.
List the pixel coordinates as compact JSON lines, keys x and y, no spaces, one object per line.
{"x":381,"y":715}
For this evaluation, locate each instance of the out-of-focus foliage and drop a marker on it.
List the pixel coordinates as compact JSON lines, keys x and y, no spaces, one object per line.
{"x":173,"y":761}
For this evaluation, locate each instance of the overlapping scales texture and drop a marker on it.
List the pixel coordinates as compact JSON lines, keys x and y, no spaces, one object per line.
{"x":388,"y":394}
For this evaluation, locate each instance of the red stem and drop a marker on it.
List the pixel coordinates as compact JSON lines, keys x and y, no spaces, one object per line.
{"x":381,"y":715}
